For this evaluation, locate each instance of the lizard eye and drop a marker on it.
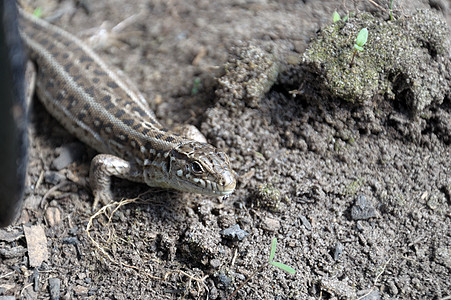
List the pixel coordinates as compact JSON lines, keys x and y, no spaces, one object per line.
{"x":197,"y":168}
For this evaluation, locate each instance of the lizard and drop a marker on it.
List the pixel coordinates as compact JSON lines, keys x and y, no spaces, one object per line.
{"x":105,"y":110}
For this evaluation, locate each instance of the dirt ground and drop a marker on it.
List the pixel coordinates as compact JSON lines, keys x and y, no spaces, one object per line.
{"x":358,"y":196}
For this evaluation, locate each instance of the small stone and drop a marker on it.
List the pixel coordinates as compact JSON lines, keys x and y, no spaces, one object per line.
{"x":53,"y":216}
{"x":10,"y":236}
{"x":32,"y":202}
{"x":6,"y":287}
{"x":360,"y":226}
{"x":214,"y":294}
{"x":306,"y":222}
{"x":270,"y":224}
{"x":234,"y":233}
{"x":362,"y":209}
{"x":224,"y":280}
{"x":54,"y":287}
{"x":392,"y":288}
{"x":67,"y":155}
{"x":443,"y":256}
{"x":338,"y":251}
{"x":81,"y":290}
{"x":73,"y":241}
{"x":340,"y":289}
{"x":434,"y":202}
{"x":215,"y":263}
{"x":13,"y":252}
{"x":373,"y":295}
{"x":36,"y":244}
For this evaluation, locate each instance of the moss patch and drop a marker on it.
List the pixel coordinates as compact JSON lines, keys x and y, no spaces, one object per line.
{"x":406,"y":59}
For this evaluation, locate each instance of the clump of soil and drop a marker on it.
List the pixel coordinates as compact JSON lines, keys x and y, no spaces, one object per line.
{"x":249,"y":73}
{"x":406,"y":59}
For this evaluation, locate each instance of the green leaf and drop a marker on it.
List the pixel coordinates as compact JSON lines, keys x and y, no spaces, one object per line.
{"x":196,"y":85}
{"x":362,"y":37}
{"x":357,"y":47}
{"x":346,"y":18}
{"x":283,"y":267}
{"x":273,"y":249}
{"x":38,"y":12}
{"x":335,"y":17}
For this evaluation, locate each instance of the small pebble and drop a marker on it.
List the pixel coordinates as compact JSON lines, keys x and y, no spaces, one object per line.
{"x":53,"y":216}
{"x":338,"y":251}
{"x":54,"y":287}
{"x":13,"y":252}
{"x":10,"y":236}
{"x":270,"y":224}
{"x":215,"y":263}
{"x":67,"y":155}
{"x":373,"y":295}
{"x":363,"y":209}
{"x":234,"y":233}
{"x":340,"y":289}
{"x":71,"y":240}
{"x":32,"y":202}
{"x":392,"y":288}
{"x":35,"y":279}
{"x":306,"y":222}
{"x":80,"y":290}
{"x":224,"y":280}
{"x":36,"y":244}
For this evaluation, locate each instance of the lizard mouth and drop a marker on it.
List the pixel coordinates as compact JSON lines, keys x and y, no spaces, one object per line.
{"x":208,"y":187}
{"x":227,"y":189}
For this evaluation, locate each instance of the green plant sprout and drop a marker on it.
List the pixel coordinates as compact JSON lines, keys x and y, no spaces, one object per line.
{"x":361,"y":39}
{"x":270,"y":261}
{"x":277,"y":264}
{"x":335,"y":17}
{"x":38,"y":12}
{"x":196,"y":86}
{"x":346,"y":17}
{"x":391,"y":10}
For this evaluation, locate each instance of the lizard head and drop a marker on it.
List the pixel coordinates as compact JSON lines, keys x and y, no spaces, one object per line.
{"x":199,"y":168}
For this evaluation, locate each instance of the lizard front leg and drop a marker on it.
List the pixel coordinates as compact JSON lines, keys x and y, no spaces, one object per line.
{"x":103,"y":166}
